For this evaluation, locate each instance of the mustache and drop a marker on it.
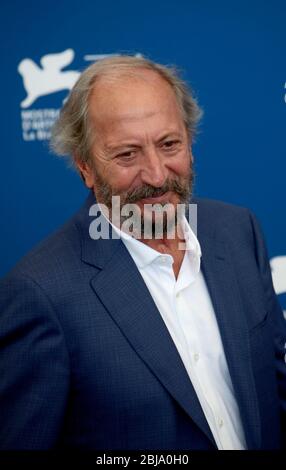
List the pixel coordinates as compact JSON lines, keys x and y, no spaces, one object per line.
{"x":148,"y":191}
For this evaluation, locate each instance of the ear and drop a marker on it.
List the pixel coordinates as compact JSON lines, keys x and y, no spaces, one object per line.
{"x":191,"y":153}
{"x":190,"y":146}
{"x":86,"y":172}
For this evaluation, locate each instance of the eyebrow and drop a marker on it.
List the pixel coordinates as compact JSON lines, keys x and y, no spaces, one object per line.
{"x":170,"y":135}
{"x":167,"y":134}
{"x":114,"y":147}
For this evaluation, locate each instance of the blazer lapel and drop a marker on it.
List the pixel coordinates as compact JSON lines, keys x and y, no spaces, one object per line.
{"x":230,"y":312}
{"x":122,"y":290}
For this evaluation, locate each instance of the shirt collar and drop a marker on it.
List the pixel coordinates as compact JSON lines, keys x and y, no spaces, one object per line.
{"x":143,"y":255}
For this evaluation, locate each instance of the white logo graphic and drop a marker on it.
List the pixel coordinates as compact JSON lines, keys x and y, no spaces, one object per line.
{"x":48,"y":79}
{"x":278,"y":267}
{"x":40,"y":81}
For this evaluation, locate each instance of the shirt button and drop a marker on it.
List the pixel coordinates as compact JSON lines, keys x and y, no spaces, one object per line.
{"x":220,"y":423}
{"x":196,"y":357}
{"x":177,"y":295}
{"x":163,"y":259}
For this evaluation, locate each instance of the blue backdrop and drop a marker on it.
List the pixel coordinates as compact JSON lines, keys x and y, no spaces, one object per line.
{"x":231,"y":51}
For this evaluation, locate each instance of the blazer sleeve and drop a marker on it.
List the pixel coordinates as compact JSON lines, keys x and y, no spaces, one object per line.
{"x":276,"y":317}
{"x":34,"y":367}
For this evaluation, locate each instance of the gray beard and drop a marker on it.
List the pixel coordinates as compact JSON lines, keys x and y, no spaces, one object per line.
{"x":152,"y":229}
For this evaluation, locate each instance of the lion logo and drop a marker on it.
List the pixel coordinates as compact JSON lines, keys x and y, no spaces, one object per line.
{"x":49,"y":78}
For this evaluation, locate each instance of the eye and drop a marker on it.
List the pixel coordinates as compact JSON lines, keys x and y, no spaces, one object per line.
{"x":170,"y":144}
{"x":126,"y":156}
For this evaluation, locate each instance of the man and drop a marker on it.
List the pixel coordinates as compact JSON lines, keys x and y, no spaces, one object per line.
{"x":140,"y":342}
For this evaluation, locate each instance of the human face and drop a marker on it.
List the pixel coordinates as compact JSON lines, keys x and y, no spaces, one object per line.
{"x":141,"y":150}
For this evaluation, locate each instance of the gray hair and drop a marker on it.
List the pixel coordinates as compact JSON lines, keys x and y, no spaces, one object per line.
{"x":72,"y":134}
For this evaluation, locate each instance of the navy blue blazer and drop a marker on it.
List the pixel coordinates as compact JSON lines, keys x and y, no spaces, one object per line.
{"x":87,"y":362}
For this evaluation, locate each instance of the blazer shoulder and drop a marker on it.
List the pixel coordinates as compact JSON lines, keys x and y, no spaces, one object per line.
{"x":218,"y":215}
{"x":217,"y":207}
{"x":51,"y":255}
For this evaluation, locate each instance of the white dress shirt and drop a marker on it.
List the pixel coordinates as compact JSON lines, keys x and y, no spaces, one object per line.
{"x":186,"y":308}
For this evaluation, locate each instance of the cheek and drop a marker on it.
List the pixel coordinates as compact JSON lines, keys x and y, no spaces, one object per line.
{"x":181,"y":166}
{"x":122,"y":178}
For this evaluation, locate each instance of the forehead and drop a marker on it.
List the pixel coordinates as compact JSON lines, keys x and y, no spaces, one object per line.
{"x":138,"y":94}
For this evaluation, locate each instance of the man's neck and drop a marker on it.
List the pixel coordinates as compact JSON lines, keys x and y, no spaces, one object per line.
{"x":168,"y":246}
{"x":174,"y":246}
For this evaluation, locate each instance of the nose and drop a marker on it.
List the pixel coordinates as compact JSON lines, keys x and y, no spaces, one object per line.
{"x":153,"y":170}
